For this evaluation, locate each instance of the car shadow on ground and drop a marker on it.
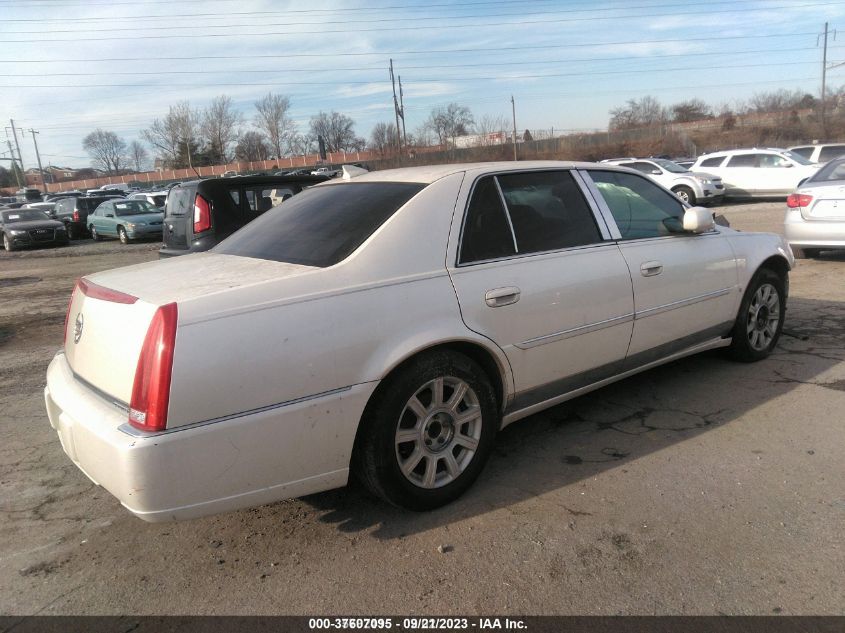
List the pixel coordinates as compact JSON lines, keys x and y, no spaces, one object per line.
{"x":613,"y":426}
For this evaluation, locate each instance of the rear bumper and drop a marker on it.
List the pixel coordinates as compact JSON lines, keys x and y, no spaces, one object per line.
{"x":813,"y":233}
{"x":287,"y":451}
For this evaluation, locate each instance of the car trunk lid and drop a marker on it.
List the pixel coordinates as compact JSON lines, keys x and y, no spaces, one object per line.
{"x":110,"y":312}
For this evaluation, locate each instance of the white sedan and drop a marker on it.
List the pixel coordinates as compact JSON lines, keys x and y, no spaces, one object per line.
{"x":389,"y":326}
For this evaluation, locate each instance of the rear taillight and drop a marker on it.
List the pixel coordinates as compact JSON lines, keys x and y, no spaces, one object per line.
{"x":202,"y":214}
{"x":70,"y":303}
{"x":76,"y":215}
{"x":151,"y":390}
{"x":796,"y":200}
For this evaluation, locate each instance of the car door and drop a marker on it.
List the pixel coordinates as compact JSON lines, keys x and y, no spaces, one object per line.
{"x":685,"y":285}
{"x":741,"y":175}
{"x":777,"y":175}
{"x":100,"y":220}
{"x":536,"y":272}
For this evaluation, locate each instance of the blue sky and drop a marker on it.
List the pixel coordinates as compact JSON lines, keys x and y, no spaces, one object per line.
{"x":69,"y":66}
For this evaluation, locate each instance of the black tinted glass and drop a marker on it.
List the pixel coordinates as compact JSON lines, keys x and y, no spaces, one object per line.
{"x":830,"y":152}
{"x":180,"y":201}
{"x":548,"y":211}
{"x":321,"y":226}
{"x":712,"y":162}
{"x":744,"y":160}
{"x":486,"y":231}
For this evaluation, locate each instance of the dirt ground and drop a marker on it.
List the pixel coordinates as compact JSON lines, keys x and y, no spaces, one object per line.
{"x":701,"y":487}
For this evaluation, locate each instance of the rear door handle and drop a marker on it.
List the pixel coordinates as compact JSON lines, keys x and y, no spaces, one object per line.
{"x":650,"y":269}
{"x":502,"y":296}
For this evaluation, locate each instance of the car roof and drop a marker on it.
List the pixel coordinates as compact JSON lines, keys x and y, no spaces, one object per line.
{"x":745,"y":150}
{"x":430,"y":173}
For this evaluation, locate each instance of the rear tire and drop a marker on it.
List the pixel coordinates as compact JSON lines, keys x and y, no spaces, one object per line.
{"x":428,"y":431}
{"x":72,"y":232}
{"x":760,"y":319}
{"x":685,"y":194}
{"x":94,"y":235}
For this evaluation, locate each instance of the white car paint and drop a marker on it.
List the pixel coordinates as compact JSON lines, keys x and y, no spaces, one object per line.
{"x":754,"y":172}
{"x":705,"y":187}
{"x":275,"y":362}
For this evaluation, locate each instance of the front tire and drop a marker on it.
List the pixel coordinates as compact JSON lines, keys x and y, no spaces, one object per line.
{"x":428,"y":431}
{"x":806,"y":253}
{"x":121,"y":233}
{"x":7,"y":243}
{"x":760,"y":319}
{"x":685,"y":194}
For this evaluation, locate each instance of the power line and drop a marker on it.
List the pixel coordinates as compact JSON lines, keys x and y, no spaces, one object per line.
{"x":391,"y":28}
{"x":715,"y":38}
{"x":229,"y":17}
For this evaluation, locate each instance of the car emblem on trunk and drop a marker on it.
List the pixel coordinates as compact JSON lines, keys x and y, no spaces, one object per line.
{"x":77,"y":328}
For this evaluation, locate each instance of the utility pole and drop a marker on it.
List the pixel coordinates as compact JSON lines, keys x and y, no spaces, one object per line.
{"x":402,"y":113}
{"x":15,"y":134}
{"x":396,"y":109}
{"x":824,"y":77}
{"x":14,"y":163}
{"x":513,"y":108}
{"x":38,"y":156}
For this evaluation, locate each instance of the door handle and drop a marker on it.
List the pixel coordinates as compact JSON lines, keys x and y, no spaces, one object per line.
{"x":502,"y":296}
{"x":649,"y":269}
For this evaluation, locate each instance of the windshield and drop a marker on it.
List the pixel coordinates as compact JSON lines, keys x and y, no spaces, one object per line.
{"x":321,"y":226}
{"x":668,"y":165}
{"x":133,"y":207}
{"x":798,"y":158}
{"x":24,"y":215}
{"x":831,"y":172}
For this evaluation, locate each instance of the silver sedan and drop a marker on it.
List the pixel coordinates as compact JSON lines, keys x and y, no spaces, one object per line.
{"x":815,"y":214}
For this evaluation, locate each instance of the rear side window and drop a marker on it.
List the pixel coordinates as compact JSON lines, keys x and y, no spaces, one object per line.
{"x":806,"y":152}
{"x":712,"y":162}
{"x":321,"y":226}
{"x":487,"y":233}
{"x":830,"y":152}
{"x":180,"y":201}
{"x":744,"y":160}
{"x":640,"y":208}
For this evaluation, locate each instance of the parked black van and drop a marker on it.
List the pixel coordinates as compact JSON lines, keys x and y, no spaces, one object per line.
{"x":74,"y":213}
{"x":201,"y":213}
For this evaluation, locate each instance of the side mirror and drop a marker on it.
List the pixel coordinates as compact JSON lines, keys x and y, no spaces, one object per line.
{"x":656,"y":172}
{"x":698,"y":220}
{"x":789,"y":165}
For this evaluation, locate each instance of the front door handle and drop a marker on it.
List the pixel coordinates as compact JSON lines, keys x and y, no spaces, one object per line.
{"x":502,"y":296}
{"x":650,"y":269}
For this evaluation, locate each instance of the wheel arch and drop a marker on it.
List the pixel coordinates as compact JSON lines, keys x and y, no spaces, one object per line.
{"x":780,"y":266}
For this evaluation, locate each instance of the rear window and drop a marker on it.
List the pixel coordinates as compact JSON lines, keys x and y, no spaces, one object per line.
{"x":180,"y":201}
{"x":830,"y":152}
{"x":832,"y":171}
{"x":321,"y":226}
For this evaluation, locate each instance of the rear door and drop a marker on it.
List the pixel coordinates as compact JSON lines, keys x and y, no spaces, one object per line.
{"x":178,"y":211}
{"x":537,"y":274}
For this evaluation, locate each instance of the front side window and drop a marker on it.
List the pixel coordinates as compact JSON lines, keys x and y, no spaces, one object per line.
{"x":773,"y":161}
{"x":321,"y":226}
{"x":640,"y":208}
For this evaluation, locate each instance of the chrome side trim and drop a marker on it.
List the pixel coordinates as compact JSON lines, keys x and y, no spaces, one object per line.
{"x":507,"y":212}
{"x":666,"y":307}
{"x":576,"y":331}
{"x":132,"y":431}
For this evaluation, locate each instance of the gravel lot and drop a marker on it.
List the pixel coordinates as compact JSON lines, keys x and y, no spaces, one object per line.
{"x":701,"y":487}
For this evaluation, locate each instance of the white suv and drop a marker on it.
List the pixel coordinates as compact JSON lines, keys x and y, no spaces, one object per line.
{"x":758,"y":173}
{"x":820,"y":153}
{"x":691,"y":187}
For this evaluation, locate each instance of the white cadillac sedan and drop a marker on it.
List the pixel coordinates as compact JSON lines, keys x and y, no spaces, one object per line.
{"x":390,"y":326}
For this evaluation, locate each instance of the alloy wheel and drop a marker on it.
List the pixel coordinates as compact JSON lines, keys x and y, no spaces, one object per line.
{"x":763,"y":317}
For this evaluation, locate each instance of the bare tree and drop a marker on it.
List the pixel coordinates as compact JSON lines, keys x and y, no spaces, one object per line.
{"x":219,"y":128}
{"x":691,"y":110}
{"x":272,"y":119}
{"x":643,"y":112}
{"x":424,"y":135}
{"x":488,"y":126}
{"x":138,"y":154}
{"x":107,"y":150}
{"x":302,"y":144}
{"x":451,"y":122}
{"x":383,"y":138}
{"x":337,"y":131}
{"x":176,"y":135}
{"x":251,"y":146}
